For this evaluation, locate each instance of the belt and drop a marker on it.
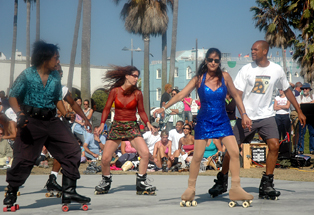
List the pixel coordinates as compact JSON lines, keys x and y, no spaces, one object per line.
{"x":38,"y":113}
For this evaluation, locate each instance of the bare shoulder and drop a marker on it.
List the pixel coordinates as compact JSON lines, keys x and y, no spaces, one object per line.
{"x":226,"y":75}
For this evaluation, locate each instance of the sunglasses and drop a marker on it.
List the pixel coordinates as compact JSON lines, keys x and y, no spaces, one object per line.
{"x":187,"y":128}
{"x":209,"y":60}
{"x":135,"y":76}
{"x":85,"y":104}
{"x":173,"y":94}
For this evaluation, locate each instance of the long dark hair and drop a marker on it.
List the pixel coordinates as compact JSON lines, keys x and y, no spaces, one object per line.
{"x":202,"y":69}
{"x":116,"y":78}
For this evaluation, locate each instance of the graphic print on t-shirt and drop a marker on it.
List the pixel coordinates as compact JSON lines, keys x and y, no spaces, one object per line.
{"x":261,"y":84}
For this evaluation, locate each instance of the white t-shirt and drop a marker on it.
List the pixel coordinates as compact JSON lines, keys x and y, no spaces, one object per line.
{"x":282,"y":101}
{"x":305,"y":99}
{"x":174,"y":136}
{"x":150,"y":140}
{"x":257,"y":84}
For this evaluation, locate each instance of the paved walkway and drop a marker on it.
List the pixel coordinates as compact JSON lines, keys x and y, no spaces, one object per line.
{"x":296,"y":197}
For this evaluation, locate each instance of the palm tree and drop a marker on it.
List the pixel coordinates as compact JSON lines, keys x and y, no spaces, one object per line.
{"x":272,"y":16}
{"x":37,"y":20}
{"x":28,"y":19}
{"x":85,"y":56}
{"x":145,"y":17}
{"x":74,"y":44}
{"x":164,"y":53}
{"x":302,"y":19}
{"x":173,"y":41}
{"x":16,"y":4}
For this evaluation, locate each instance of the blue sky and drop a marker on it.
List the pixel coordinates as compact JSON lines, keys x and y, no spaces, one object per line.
{"x":224,"y":24}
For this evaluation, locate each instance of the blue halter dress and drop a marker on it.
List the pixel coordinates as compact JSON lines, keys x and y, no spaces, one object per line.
{"x":212,"y":119}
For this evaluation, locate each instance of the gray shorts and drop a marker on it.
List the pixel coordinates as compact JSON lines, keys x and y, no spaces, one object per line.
{"x":266,"y":128}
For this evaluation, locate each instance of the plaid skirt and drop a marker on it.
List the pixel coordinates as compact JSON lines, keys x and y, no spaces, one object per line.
{"x":124,"y":130}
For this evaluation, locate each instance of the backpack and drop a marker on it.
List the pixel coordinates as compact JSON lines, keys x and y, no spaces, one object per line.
{"x":126,"y":157}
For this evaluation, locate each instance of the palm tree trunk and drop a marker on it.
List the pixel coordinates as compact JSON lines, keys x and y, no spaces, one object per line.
{"x":37,"y":20}
{"x":146,"y":96}
{"x":85,"y":56}
{"x":74,"y":44}
{"x":173,"y":41}
{"x":28,"y":19}
{"x":284,"y":59}
{"x":16,"y":3}
{"x":164,"y":62}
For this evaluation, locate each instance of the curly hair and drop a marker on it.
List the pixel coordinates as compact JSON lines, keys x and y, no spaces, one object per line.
{"x":42,"y":52}
{"x":116,"y":78}
{"x":202,"y":69}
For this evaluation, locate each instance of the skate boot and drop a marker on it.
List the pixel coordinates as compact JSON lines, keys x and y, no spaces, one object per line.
{"x":175,"y":167}
{"x":69,"y":194}
{"x":266,"y":188}
{"x":142,"y":187}
{"x":52,"y":186}
{"x":189,"y":194}
{"x":104,"y":185}
{"x":236,"y":193}
{"x":220,"y":186}
{"x":164,"y":164}
{"x":10,"y":199}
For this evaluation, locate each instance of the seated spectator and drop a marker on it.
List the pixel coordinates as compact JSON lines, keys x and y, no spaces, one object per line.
{"x":162,"y":152}
{"x":9,"y":128}
{"x":87,"y":110}
{"x":212,"y":150}
{"x":93,"y":145}
{"x":78,"y":128}
{"x":151,"y":139}
{"x":186,"y":144}
{"x":126,"y":147}
{"x":6,"y":152}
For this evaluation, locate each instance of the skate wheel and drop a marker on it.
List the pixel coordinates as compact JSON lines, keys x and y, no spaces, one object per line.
{"x":13,"y":209}
{"x":250,"y":202}
{"x":182,"y":203}
{"x":47,"y":195}
{"x":245,"y":204}
{"x":18,"y":193}
{"x":59,"y":195}
{"x":65,"y":208}
{"x":5,"y":209}
{"x":188,"y":204}
{"x":17,"y":207}
{"x":232,"y":204}
{"x":85,"y":207}
{"x":194,"y":203}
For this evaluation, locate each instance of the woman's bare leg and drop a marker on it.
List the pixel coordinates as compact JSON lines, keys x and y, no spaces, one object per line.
{"x":110,"y":147}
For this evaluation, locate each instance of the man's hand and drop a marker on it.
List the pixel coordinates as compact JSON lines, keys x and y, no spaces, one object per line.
{"x":302,"y":119}
{"x":21,"y":120}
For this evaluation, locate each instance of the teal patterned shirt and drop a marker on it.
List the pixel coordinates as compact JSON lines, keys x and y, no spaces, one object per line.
{"x":29,"y":89}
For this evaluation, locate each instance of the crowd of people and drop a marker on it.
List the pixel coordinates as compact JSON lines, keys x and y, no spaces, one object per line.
{"x":41,"y":117}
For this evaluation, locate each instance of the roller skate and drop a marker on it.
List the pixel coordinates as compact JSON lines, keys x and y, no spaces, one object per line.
{"x":69,"y":194}
{"x":164,"y":164}
{"x":188,"y":195}
{"x":142,"y":187}
{"x":220,"y":186}
{"x":53,"y":187}
{"x":266,"y":188}
{"x":175,"y":167}
{"x":104,"y":185}
{"x":6,"y":189}
{"x":10,"y":199}
{"x":236,"y":193}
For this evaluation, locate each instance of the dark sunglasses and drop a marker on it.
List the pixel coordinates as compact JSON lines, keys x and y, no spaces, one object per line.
{"x":85,"y":104}
{"x":173,"y":94}
{"x":187,"y":128}
{"x":209,"y":60}
{"x":135,"y":76}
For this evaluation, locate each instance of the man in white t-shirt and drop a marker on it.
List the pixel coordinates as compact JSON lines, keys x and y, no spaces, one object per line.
{"x":255,"y":83}
{"x":151,"y":138}
{"x":175,"y":135}
{"x":307,"y":97}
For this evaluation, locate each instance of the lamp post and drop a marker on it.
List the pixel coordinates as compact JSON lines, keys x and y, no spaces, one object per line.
{"x":131,"y":49}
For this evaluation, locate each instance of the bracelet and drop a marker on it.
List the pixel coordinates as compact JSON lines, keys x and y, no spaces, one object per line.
{"x":244,"y":114}
{"x":163,"y":108}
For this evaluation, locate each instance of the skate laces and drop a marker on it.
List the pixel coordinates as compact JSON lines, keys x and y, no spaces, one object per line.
{"x":148,"y":180}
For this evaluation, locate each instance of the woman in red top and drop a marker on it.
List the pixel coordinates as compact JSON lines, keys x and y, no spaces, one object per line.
{"x":128,"y":100}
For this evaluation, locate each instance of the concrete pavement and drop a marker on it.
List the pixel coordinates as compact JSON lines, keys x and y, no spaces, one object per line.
{"x":296,"y":197}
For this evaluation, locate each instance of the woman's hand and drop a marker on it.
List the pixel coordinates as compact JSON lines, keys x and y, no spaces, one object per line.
{"x":100,"y":128}
{"x":150,"y":127}
{"x":246,"y":122}
{"x":158,"y":111}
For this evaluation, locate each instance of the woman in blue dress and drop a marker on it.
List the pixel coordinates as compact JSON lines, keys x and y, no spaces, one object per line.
{"x":212,"y":85}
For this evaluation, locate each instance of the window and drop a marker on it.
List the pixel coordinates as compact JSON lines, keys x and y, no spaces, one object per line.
{"x":158,"y":94}
{"x":158,"y":73}
{"x":188,"y":73}
{"x":176,"y":72}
